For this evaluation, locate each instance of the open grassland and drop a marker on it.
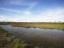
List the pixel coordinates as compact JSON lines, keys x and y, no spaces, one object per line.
{"x":40,"y":25}
{"x":7,"y":40}
{"x":36,"y":25}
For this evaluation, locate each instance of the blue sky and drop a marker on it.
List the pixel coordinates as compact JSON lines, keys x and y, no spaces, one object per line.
{"x":32,"y":10}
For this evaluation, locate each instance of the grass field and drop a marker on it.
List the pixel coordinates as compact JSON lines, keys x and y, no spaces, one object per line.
{"x":36,"y":25}
{"x":40,"y":25}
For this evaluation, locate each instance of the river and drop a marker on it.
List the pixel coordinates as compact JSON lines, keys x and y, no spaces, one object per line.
{"x":51,"y":38}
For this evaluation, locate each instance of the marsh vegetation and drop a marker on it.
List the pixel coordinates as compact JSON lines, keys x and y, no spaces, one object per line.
{"x":45,"y":25}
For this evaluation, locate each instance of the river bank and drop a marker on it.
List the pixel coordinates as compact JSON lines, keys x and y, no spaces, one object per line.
{"x":35,"y":25}
{"x":38,"y":37}
{"x":8,"y":40}
{"x":40,"y":25}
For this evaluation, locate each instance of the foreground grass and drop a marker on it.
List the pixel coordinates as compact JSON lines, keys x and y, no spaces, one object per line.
{"x":9,"y":41}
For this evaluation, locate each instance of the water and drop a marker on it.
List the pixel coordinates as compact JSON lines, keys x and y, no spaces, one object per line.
{"x":49,"y":38}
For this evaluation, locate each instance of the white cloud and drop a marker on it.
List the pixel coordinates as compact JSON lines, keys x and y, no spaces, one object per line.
{"x":27,"y":13}
{"x":10,"y":10}
{"x":54,"y":15}
{"x":2,"y":18}
{"x":50,"y":15}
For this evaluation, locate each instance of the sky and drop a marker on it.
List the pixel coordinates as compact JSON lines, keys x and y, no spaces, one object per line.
{"x":32,"y":10}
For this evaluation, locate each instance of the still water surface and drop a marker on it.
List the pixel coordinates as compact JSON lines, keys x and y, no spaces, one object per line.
{"x":36,"y":36}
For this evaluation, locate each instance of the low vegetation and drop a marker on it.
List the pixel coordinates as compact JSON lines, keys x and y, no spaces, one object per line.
{"x":35,"y":25}
{"x":9,"y":41}
{"x":40,"y":25}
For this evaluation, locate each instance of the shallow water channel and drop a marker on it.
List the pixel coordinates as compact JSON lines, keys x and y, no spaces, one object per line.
{"x":48,"y":38}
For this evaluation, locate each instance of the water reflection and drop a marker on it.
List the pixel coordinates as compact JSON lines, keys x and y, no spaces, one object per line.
{"x":44,"y":37}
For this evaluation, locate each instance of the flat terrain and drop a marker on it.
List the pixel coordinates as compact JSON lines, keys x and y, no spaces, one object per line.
{"x":8,"y":40}
{"x":36,"y":25}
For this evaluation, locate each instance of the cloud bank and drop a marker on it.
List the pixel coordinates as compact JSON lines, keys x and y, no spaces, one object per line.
{"x":50,"y":15}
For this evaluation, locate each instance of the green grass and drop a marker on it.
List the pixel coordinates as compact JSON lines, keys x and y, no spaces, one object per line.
{"x":40,"y":25}
{"x":35,"y":25}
